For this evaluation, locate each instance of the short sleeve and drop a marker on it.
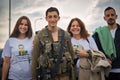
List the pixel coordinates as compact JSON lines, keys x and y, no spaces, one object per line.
{"x":92,"y":43}
{"x":6,"y":50}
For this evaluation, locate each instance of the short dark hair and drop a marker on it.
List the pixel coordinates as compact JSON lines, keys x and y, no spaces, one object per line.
{"x":51,"y":9}
{"x":108,"y":8}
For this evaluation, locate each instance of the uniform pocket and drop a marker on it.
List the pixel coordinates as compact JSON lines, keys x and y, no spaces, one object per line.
{"x":48,"y":47}
{"x":66,"y":62}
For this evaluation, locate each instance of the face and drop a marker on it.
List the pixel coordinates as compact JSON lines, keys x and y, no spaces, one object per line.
{"x":75,"y":28}
{"x":110,"y":17}
{"x":21,"y":48}
{"x":23,"y":27}
{"x":52,"y":18}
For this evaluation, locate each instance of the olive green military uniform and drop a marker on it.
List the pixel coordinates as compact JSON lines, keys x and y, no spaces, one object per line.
{"x":46,"y":51}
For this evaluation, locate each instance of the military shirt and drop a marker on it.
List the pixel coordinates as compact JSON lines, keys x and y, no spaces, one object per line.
{"x":42,"y":45}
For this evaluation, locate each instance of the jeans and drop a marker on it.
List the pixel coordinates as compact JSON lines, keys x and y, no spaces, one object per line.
{"x":113,"y":76}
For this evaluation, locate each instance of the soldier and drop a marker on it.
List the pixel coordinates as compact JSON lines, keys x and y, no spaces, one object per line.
{"x":52,"y":57}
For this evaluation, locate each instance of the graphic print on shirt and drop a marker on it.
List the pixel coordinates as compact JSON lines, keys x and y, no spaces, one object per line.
{"x":23,"y":54}
{"x":22,"y":51}
{"x":77,"y":47}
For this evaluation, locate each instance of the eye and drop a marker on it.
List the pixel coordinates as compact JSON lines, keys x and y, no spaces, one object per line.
{"x":49,"y":16}
{"x":112,"y":14}
{"x":21,"y":23}
{"x":77,"y":25}
{"x":26,"y":24}
{"x":107,"y":15}
{"x":73,"y":26}
{"x":55,"y":16}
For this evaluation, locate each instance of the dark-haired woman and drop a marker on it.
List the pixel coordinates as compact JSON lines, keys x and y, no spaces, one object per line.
{"x":17,"y":52}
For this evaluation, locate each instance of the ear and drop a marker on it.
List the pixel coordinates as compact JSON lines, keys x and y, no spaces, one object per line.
{"x":104,"y":18}
{"x":46,"y":18}
{"x":116,"y":16}
{"x":58,"y":18}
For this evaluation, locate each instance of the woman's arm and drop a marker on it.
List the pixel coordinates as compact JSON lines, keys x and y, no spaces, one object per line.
{"x":5,"y":67}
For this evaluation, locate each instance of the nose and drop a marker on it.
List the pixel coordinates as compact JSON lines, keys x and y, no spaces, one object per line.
{"x":75,"y":26}
{"x":23,"y":26}
{"x":53,"y":18}
{"x":110,"y":16}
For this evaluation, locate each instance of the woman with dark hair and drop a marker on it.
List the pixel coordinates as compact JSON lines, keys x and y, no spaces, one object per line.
{"x":16,"y":66}
{"x":81,"y":40}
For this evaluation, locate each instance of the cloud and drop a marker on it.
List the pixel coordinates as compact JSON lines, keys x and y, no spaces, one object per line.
{"x":94,"y":18}
{"x":90,"y":11}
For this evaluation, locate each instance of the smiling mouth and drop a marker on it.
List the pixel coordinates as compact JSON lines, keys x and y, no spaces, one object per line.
{"x":75,"y":30}
{"x":53,"y":26}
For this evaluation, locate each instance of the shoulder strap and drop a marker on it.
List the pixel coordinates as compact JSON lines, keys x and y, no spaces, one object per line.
{"x":89,"y":43}
{"x":87,"y":40}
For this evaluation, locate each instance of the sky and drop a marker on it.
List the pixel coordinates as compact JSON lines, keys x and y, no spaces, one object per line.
{"x":89,"y":11}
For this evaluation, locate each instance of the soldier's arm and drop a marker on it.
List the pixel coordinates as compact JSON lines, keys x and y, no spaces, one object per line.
{"x":70,"y":48}
{"x":35,"y":55}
